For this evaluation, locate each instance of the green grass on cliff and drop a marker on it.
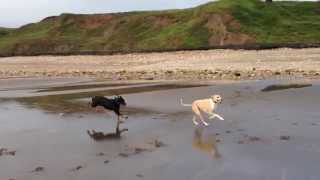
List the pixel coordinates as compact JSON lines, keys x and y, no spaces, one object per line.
{"x":277,"y":22}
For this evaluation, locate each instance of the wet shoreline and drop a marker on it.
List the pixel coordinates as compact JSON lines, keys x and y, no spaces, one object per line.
{"x":266,"y":134}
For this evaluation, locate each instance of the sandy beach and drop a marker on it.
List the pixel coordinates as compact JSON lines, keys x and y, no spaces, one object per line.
{"x":184,"y":65}
{"x":266,"y":135}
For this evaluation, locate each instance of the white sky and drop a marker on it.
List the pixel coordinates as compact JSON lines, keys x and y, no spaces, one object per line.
{"x":14,"y":13}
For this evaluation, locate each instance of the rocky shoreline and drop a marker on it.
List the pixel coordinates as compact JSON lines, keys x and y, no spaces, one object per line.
{"x":172,"y":74}
{"x":187,"y":65}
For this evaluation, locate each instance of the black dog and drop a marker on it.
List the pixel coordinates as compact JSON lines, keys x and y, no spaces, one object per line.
{"x":110,"y":104}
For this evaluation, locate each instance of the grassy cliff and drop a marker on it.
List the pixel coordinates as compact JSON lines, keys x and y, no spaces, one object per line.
{"x":220,"y":23}
{"x":5,"y":31}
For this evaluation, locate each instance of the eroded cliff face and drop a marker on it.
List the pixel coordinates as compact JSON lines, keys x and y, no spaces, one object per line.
{"x":226,"y":30}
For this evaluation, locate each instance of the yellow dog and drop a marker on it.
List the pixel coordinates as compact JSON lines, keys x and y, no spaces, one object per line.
{"x":205,"y":105}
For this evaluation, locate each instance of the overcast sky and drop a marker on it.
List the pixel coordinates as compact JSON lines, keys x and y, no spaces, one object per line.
{"x":14,"y":13}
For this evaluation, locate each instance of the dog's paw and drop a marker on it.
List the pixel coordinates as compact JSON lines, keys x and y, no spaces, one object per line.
{"x":211,"y":117}
{"x":206,"y":124}
{"x":222,"y":119}
{"x":195,"y":123}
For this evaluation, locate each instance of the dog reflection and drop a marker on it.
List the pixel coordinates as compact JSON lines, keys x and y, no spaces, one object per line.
{"x":100,"y":136}
{"x":205,"y":142}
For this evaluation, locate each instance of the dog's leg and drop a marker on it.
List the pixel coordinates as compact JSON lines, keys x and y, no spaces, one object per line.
{"x":194,"y":121}
{"x":213,"y":115}
{"x":198,"y":113}
{"x":120,"y":116}
{"x":218,"y":116}
{"x":202,"y":119}
{"x":204,"y":122}
{"x":120,"y":119}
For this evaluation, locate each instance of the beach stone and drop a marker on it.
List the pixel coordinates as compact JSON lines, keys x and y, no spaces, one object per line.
{"x":38,"y":169}
{"x":106,"y":161}
{"x":78,"y":168}
{"x":123,"y":155}
{"x":254,"y":138}
{"x":237,"y":74}
{"x":158,"y":143}
{"x":100,"y":154}
{"x":286,"y":138}
{"x":139,"y":175}
{"x":4,"y":151}
{"x":168,"y":72}
{"x":149,"y":78}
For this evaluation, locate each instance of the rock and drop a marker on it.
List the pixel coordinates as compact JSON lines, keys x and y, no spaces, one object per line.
{"x":149,"y":78}
{"x":123,"y":155}
{"x":77,"y":168}
{"x":237,"y":74}
{"x":38,"y":169}
{"x":286,"y":138}
{"x":251,"y":75}
{"x":4,"y":151}
{"x":158,"y":143}
{"x":106,"y":161}
{"x":139,"y":175}
{"x":12,"y":153}
{"x":100,"y":154}
{"x":254,"y":138}
{"x":138,"y":150}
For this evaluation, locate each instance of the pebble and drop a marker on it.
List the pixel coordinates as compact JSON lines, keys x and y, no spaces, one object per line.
{"x":106,"y":161}
{"x":286,"y":138}
{"x":38,"y":169}
{"x":139,"y":175}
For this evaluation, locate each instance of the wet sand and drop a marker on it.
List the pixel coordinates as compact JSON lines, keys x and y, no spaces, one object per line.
{"x":266,"y":135}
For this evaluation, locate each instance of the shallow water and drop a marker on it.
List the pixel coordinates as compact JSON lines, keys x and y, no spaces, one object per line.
{"x":248,"y":141}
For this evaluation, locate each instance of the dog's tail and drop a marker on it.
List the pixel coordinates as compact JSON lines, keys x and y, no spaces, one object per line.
{"x":183,"y":104}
